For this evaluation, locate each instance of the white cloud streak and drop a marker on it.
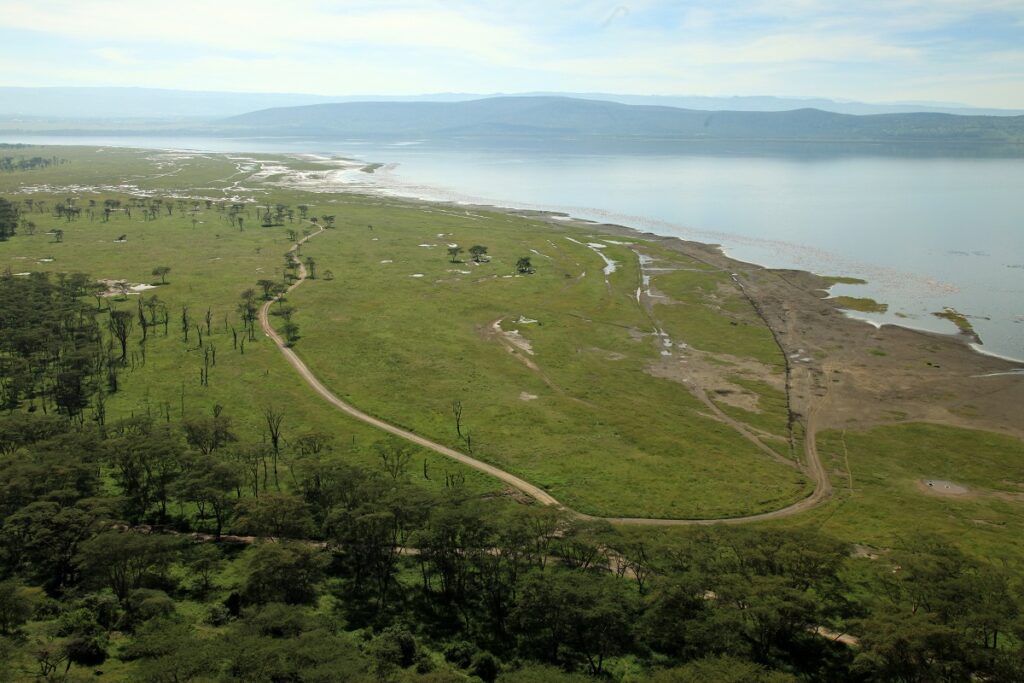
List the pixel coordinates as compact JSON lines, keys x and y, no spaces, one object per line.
{"x":871,"y":49}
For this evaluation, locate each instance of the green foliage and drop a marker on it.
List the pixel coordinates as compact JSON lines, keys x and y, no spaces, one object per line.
{"x":16,"y":605}
{"x":398,"y":557}
{"x":8,"y":217}
{"x":287,"y":572}
{"x":722,"y":670}
{"x":52,"y":351}
{"x":123,"y":561}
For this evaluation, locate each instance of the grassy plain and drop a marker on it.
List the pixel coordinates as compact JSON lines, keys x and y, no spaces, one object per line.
{"x":580,"y":414}
{"x":595,"y":412}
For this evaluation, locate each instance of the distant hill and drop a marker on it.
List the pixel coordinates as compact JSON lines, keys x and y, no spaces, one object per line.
{"x":770,"y":103}
{"x":567,"y":117}
{"x":80,"y":103}
{"x":140,"y":103}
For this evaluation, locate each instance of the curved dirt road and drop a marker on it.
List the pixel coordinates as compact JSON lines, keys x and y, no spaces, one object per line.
{"x":822,"y":485}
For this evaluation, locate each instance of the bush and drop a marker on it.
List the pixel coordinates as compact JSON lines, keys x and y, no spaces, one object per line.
{"x":485,"y":666}
{"x":218,"y":615}
{"x":460,"y":653}
{"x":277,"y":620}
{"x":146,"y":603}
{"x":16,"y":605}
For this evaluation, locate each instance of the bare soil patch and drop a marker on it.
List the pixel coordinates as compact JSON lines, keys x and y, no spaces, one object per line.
{"x":941,"y":487}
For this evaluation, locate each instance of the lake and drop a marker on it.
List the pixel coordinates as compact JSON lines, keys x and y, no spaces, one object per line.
{"x":926,"y":231}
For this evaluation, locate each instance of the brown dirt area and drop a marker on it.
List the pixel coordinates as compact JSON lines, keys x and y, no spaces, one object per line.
{"x":922,"y":376}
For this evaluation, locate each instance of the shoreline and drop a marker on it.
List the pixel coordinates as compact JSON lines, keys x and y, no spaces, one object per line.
{"x":554,"y":217}
{"x":559,"y":218}
{"x":562,"y":217}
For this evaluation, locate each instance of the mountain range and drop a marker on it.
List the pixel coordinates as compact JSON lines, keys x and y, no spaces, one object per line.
{"x":564,"y":117}
{"x":157,"y":103}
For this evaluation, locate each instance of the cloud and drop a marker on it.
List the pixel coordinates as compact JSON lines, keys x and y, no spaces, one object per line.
{"x":116,"y":55}
{"x":871,"y":49}
{"x":265,"y":27}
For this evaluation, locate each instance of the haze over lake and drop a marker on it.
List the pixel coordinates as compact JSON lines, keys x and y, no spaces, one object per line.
{"x":926,"y":231}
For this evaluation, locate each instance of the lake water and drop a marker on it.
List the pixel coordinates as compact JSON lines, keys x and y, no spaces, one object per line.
{"x":925,"y":231}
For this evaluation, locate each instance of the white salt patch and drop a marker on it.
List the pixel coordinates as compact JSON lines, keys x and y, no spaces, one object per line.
{"x":46,"y":260}
{"x":22,"y":274}
{"x":523,"y":396}
{"x":517,"y":340}
{"x":427,"y":245}
{"x":416,"y":275}
{"x":387,"y":261}
{"x":142,"y":287}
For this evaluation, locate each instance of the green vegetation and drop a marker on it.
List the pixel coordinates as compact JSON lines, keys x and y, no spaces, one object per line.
{"x":176,"y":506}
{"x":14,"y":164}
{"x":843,"y":280}
{"x":372,"y":578}
{"x":862,"y":304}
{"x":957,"y":318}
{"x":882,"y":502}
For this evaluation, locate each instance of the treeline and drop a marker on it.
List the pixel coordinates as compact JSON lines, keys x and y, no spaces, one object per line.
{"x":112,"y":546}
{"x":151,"y":208}
{"x":53,"y":354}
{"x":11,"y":164}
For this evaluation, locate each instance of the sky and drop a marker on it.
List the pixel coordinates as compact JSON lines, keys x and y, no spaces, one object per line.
{"x":962,"y":51}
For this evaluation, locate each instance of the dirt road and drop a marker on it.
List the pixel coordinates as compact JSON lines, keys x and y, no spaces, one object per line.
{"x":822,"y":485}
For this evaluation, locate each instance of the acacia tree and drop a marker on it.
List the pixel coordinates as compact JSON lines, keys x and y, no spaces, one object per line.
{"x":120,"y":325}
{"x":291,"y":332}
{"x":453,"y":253}
{"x":478,"y":251}
{"x":8,"y":219}
{"x":274,"y":418}
{"x":524,"y":266}
{"x":161,"y":272}
{"x":266,"y":285}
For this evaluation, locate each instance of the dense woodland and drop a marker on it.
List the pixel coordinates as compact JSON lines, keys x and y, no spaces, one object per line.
{"x":176,"y":546}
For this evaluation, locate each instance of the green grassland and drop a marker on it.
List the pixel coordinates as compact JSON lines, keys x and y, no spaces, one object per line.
{"x":602,"y":435}
{"x":881,"y":501}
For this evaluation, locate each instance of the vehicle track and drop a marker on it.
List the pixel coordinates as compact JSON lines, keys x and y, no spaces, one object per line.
{"x":822,"y":485}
